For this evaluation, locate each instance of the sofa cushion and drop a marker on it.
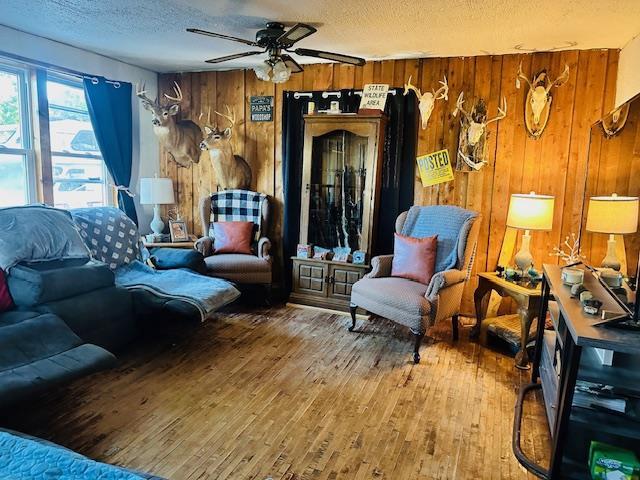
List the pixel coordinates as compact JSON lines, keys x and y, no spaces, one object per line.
{"x":104,"y":317}
{"x":398,"y":299}
{"x":6,"y":302}
{"x":170,"y":258}
{"x":414,"y":258}
{"x":35,"y":284}
{"x":16,"y":316}
{"x":232,"y":237}
{"x":51,"y":233}
{"x":41,"y":351}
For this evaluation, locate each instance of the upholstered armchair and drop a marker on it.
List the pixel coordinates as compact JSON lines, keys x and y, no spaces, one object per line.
{"x":413,"y":304}
{"x":237,"y":205}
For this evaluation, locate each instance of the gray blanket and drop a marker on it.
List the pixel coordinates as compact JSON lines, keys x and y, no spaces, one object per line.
{"x":205,"y":293}
{"x":37,"y":233}
{"x":450,"y":223}
{"x":113,"y":239}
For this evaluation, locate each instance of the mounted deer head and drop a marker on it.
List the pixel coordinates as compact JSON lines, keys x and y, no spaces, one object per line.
{"x":179,"y":137}
{"x":473,"y":132}
{"x":427,"y":100}
{"x":613,"y":123}
{"x":538,"y":102}
{"x":231,"y":170}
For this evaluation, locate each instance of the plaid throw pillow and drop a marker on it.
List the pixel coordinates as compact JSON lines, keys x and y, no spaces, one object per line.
{"x":237,"y":206}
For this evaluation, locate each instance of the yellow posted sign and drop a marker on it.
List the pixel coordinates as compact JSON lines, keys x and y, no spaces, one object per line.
{"x":435,"y":168}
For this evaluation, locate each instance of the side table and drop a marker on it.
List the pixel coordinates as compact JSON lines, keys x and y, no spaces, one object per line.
{"x":528,"y":300}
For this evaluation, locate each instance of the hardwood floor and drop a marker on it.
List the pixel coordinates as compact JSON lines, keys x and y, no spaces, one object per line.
{"x":291,"y":394}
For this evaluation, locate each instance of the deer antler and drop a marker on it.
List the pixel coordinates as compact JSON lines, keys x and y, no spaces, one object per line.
{"x":408,"y":87}
{"x":562,"y":78}
{"x":459,"y":107}
{"x":176,"y":89}
{"x":141,"y":93}
{"x":230,"y":116}
{"x":443,"y":91}
{"x":208,"y":122}
{"x":523,"y":76}
{"x":502,"y":112}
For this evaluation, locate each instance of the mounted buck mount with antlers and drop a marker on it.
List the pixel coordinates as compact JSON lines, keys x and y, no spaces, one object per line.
{"x":537,"y":106}
{"x":179,"y":137}
{"x":473,"y":133}
{"x":427,"y":100}
{"x":232,"y":171}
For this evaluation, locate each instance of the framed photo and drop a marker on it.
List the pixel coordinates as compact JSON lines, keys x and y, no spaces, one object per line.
{"x":178,"y":231}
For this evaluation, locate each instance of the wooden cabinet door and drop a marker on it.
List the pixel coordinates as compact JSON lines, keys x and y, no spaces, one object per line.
{"x":310,"y":277}
{"x":342,"y":279}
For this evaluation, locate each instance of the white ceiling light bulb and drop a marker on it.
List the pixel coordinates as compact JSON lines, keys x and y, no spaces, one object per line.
{"x":262,"y":71}
{"x":281,"y":72}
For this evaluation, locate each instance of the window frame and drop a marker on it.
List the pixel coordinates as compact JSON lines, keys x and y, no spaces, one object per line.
{"x":23,"y":73}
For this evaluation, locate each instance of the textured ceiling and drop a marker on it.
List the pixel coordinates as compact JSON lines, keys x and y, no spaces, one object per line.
{"x":151,"y":33}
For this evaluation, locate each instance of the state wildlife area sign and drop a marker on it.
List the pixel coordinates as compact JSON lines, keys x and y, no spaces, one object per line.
{"x":435,"y":168}
{"x":262,"y":109}
{"x":374,"y":98}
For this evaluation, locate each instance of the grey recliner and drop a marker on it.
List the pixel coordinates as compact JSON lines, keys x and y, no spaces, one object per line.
{"x":412,"y":304}
{"x":237,"y":205}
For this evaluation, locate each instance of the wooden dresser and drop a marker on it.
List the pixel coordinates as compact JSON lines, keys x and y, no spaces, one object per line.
{"x":565,"y":356}
{"x":324,"y":283}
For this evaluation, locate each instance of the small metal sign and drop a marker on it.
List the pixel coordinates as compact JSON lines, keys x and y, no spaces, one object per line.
{"x":262,"y":109}
{"x":435,"y":168}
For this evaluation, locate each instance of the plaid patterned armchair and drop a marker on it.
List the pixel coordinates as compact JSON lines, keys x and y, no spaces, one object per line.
{"x":243,"y":206}
{"x":414,"y":304}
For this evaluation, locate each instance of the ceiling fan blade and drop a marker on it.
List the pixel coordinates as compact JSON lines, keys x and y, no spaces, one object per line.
{"x":336,"y":57}
{"x":224,"y":37}
{"x":295,"y":34}
{"x":232,"y":57}
{"x":292,"y":64}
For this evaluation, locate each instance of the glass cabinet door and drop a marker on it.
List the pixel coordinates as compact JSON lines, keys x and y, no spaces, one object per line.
{"x":336,"y":190}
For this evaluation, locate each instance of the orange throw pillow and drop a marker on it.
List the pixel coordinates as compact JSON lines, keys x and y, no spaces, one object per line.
{"x":414,"y":258}
{"x":232,"y":237}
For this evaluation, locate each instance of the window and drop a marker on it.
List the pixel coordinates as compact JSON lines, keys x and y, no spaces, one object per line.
{"x":17,"y":178}
{"x":80,"y":178}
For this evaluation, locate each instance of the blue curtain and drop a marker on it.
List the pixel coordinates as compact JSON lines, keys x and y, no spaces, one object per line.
{"x":111,"y":116}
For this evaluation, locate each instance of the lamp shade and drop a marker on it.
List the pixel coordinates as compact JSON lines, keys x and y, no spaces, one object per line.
{"x":156,"y":191}
{"x":614,"y":214}
{"x":530,"y":212}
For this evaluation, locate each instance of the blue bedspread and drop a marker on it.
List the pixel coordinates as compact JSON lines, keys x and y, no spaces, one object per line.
{"x":25,"y":459}
{"x":207,"y":294}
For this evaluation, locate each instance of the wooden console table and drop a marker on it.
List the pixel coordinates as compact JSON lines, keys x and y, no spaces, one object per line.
{"x":566,"y":355}
{"x":324,"y":283}
{"x":528,"y":300}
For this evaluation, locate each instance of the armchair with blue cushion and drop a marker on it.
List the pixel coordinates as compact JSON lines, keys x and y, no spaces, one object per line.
{"x":416,"y":305}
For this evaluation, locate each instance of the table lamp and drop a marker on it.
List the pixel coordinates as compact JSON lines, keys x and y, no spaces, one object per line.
{"x":529,"y":212}
{"x":613,"y":215}
{"x":156,"y":191}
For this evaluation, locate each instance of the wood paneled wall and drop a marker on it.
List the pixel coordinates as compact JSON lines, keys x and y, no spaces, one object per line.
{"x":554,"y":164}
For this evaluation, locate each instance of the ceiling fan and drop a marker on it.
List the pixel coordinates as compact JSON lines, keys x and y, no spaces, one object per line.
{"x":274,"y":40}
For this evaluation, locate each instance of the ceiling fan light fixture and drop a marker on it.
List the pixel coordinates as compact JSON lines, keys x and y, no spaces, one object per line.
{"x":281,"y":72}
{"x":263,"y":71}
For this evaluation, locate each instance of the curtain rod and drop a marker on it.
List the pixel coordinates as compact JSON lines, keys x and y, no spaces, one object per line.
{"x":337,"y":94}
{"x":56,"y":68}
